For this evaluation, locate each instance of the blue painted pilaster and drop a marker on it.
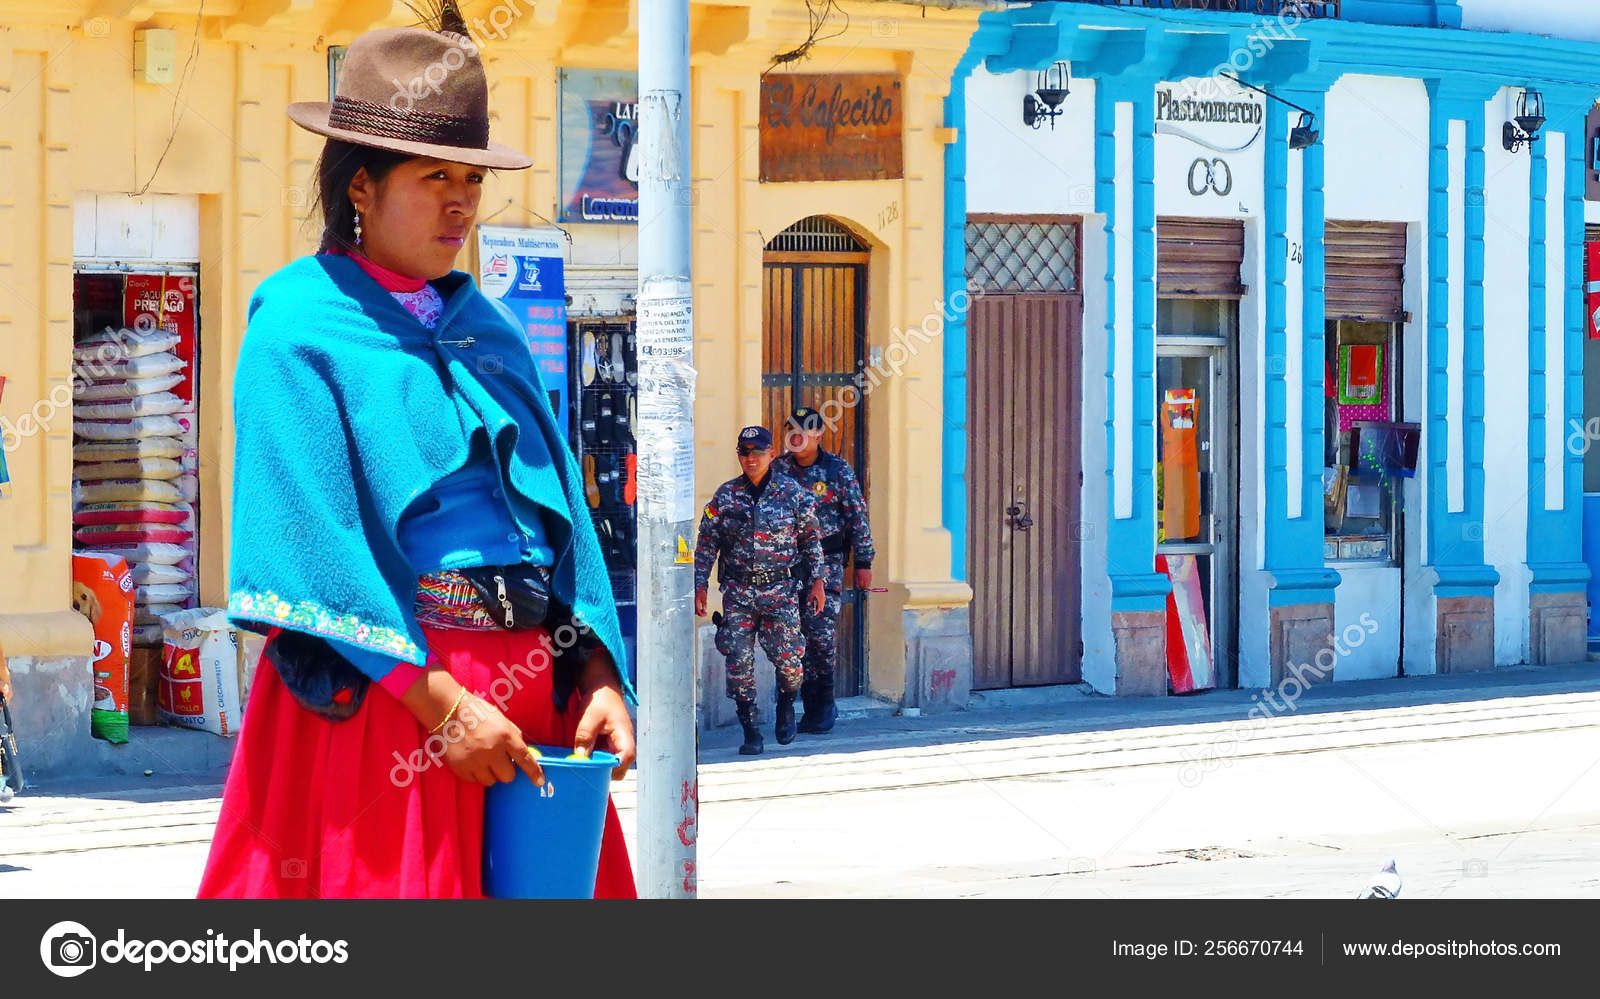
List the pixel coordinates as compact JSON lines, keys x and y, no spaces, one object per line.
{"x":1555,"y":537}
{"x":1455,"y":540}
{"x":1131,"y":541}
{"x":1294,"y":545}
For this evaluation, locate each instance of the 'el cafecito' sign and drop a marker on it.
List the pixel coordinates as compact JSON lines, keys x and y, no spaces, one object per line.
{"x":831,"y":126}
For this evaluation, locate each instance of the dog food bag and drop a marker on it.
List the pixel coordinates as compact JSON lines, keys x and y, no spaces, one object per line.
{"x":102,"y":591}
{"x":200,"y":674}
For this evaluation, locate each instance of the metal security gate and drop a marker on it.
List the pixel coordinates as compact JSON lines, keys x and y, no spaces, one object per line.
{"x":1024,"y":475}
{"x":814,"y":330}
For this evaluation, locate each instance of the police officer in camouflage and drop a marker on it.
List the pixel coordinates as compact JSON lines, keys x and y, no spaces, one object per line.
{"x":761,"y":531}
{"x":842,"y":514}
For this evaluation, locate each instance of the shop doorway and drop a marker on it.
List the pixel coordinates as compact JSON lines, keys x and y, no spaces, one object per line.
{"x":1197,"y":446}
{"x":1024,"y":475}
{"x":1196,"y":508}
{"x":814,"y":332}
{"x":136,"y":398}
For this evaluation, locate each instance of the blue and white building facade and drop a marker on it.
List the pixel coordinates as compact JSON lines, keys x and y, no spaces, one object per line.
{"x":1464,"y":332}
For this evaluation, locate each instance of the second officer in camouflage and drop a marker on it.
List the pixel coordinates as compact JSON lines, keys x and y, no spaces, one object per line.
{"x":842,"y":516}
{"x":761,"y":531}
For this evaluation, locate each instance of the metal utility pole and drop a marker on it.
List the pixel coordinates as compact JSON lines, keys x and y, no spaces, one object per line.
{"x":669,"y":790}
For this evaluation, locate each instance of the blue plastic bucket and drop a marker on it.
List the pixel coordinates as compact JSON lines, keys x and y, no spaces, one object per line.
{"x":544,"y":842}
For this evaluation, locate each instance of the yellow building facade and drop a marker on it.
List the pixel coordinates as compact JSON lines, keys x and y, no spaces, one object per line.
{"x":79,"y":120}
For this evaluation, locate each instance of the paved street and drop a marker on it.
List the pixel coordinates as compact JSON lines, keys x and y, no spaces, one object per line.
{"x":1477,"y":787}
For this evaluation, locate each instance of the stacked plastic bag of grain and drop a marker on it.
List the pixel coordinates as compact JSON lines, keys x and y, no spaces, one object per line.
{"x":133,"y":461}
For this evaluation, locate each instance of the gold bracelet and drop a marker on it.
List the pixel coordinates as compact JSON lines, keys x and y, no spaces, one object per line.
{"x":451,"y":714}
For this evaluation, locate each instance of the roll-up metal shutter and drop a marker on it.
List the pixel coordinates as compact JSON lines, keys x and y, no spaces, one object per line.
{"x":1199,"y":258}
{"x":1366,"y":264}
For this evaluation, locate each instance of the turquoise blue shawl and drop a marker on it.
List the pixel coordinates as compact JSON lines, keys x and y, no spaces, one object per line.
{"x":346,"y":410}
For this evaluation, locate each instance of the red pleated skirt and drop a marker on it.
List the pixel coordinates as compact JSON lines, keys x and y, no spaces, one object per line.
{"x":322,"y":809}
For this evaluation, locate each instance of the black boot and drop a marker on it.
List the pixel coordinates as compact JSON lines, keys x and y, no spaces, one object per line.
{"x":753,"y":743}
{"x":808,"y":700}
{"x":785,"y":729}
{"x":826,"y":713}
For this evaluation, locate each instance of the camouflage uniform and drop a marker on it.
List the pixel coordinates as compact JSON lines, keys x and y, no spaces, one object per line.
{"x":750,"y":532}
{"x":842,"y":515}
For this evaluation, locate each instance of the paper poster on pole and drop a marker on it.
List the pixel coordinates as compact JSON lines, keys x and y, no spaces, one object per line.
{"x":666,"y":401}
{"x":525,"y":270}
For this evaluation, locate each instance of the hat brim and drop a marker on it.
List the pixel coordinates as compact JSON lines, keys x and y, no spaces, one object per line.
{"x":313,"y":116}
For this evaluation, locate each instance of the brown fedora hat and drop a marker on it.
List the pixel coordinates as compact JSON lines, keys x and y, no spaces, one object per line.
{"x":413,"y":91}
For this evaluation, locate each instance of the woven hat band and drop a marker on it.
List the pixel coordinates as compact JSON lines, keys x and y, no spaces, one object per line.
{"x":414,"y":125}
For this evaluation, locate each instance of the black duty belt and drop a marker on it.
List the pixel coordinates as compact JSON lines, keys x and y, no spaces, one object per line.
{"x":765,"y":578}
{"x":835,"y":544}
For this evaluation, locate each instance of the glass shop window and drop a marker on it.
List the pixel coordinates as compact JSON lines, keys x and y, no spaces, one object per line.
{"x":1368,"y":452}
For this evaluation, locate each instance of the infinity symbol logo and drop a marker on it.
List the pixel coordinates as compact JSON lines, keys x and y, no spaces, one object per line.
{"x":1210,"y":175}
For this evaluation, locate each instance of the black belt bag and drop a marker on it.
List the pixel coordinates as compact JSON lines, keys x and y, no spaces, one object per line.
{"x":516,"y":596}
{"x":834,"y":544}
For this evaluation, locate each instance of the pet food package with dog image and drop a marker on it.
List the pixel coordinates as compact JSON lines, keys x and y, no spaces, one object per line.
{"x":102,"y":591}
{"x":199,"y":686}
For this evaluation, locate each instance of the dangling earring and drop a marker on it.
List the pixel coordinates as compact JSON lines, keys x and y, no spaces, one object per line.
{"x":358,"y":228}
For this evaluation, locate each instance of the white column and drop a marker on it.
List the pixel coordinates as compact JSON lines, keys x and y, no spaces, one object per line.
{"x":1555,"y":325}
{"x":1123,"y":376}
{"x":1294,"y":329}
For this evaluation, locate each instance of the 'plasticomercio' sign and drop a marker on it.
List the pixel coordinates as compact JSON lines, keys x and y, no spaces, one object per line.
{"x":831,"y":126}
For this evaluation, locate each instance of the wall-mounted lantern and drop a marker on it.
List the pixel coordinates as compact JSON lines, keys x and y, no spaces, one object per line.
{"x":1529,"y":119}
{"x":1050,"y":92}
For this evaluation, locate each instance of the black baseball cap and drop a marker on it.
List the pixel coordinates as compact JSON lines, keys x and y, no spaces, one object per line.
{"x":755,"y":439}
{"x":805,"y":418}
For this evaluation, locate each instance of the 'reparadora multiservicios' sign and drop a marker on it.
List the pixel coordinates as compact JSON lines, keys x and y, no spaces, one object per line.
{"x":831,"y":126}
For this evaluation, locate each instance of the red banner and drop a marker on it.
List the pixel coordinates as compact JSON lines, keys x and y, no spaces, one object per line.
{"x":1592,"y":290}
{"x":167,"y":303}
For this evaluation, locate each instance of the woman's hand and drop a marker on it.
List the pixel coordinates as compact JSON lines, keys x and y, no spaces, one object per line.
{"x":605,"y":718}
{"x":480,"y":743}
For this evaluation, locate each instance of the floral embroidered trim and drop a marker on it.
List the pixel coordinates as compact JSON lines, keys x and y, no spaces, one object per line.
{"x":312,"y":617}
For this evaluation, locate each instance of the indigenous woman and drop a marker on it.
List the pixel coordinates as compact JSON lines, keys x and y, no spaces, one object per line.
{"x":404,"y":510}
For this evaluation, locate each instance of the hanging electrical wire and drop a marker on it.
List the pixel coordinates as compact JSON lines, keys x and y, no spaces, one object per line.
{"x":177,"y":104}
{"x":819,"y":11}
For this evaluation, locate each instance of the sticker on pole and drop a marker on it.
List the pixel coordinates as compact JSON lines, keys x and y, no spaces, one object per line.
{"x":685,"y":557}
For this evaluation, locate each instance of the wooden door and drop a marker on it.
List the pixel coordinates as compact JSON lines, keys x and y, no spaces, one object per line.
{"x":1023,"y":479}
